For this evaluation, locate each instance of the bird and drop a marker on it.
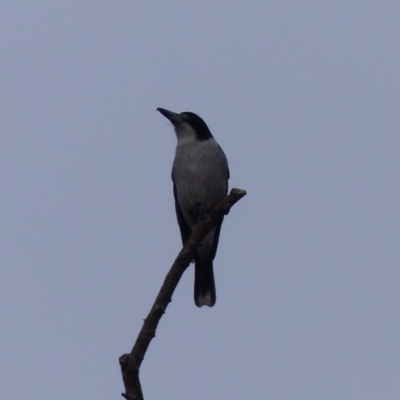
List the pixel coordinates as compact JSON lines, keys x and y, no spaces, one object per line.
{"x":200,"y":176}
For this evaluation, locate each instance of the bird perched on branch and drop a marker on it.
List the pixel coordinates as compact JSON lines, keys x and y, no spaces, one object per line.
{"x":200,"y":175}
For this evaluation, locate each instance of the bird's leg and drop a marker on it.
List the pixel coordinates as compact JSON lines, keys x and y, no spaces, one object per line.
{"x":196,"y":211}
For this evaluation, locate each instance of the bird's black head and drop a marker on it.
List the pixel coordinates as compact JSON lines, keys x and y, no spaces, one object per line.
{"x":187,"y":125}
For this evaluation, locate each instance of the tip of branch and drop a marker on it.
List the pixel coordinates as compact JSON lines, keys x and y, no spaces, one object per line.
{"x":233,"y":197}
{"x":238,"y":192}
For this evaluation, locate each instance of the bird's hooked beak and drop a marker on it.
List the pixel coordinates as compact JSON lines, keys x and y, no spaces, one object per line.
{"x":173,"y":117}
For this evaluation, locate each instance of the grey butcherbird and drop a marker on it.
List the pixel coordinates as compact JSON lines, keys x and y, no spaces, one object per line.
{"x":200,"y":174}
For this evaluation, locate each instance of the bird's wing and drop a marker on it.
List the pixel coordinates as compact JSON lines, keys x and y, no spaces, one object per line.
{"x":219,"y":224}
{"x":184,"y":227}
{"x":216,"y":238}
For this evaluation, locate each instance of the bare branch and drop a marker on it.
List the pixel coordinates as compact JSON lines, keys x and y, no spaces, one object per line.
{"x":130,"y":363}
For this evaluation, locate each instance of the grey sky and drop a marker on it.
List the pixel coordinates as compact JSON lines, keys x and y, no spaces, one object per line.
{"x":304,"y":99}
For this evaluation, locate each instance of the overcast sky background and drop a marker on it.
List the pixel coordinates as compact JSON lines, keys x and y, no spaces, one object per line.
{"x":303,"y":96}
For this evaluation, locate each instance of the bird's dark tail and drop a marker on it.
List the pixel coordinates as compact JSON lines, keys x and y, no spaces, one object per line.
{"x":204,"y":285}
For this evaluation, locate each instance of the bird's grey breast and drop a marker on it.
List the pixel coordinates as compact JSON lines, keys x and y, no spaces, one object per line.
{"x":200,"y":173}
